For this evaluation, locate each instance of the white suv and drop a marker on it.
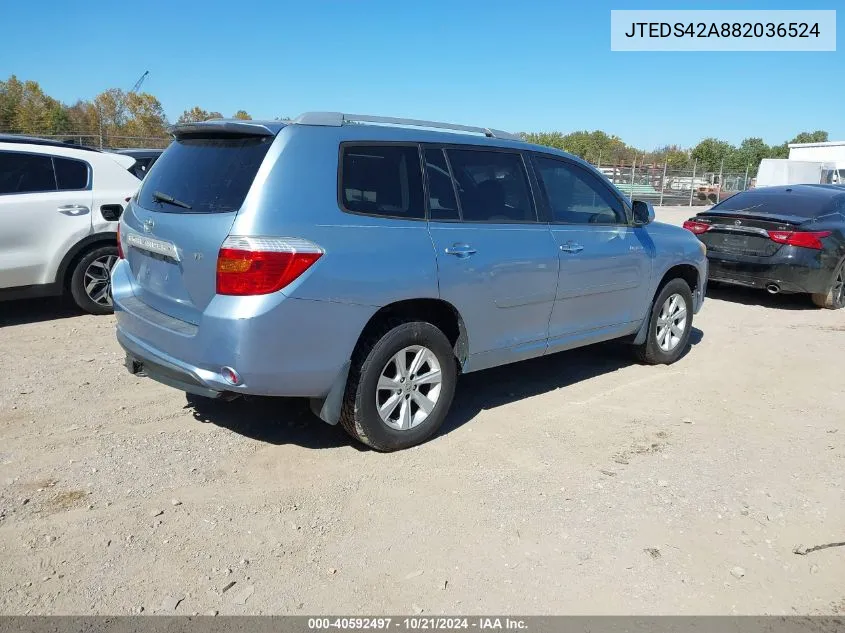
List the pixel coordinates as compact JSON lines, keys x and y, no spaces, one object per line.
{"x":59,"y":207}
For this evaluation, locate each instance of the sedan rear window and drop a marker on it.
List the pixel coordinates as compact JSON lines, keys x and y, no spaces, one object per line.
{"x":799,"y":202}
{"x":209,"y":175}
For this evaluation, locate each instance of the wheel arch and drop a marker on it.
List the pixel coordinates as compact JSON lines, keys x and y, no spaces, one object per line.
{"x":686,"y":271}
{"x":438,"y":312}
{"x":77,"y":252}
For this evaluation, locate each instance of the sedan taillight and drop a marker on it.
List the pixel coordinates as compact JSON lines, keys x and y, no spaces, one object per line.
{"x":261,"y":265}
{"x":696,"y":227}
{"x":804,"y":239}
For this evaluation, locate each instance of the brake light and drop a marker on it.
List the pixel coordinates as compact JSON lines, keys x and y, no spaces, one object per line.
{"x":804,"y":239}
{"x":261,"y":265}
{"x":696,"y":227}
{"x":119,"y":245}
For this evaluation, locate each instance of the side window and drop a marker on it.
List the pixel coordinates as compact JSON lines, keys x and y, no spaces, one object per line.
{"x":441,"y":191}
{"x":70,"y":174}
{"x":26,"y":173}
{"x":382,"y":180}
{"x":576,"y":196}
{"x":492,"y":186}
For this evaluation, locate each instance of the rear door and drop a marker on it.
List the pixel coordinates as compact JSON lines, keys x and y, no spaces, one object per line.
{"x":497,"y":264}
{"x":182,"y":214}
{"x":605,"y":264}
{"x":40,"y":217}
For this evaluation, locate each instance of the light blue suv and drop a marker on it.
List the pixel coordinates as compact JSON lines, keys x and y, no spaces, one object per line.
{"x":365,"y":262}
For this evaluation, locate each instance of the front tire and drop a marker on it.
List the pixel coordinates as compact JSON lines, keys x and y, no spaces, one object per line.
{"x":400,"y":386}
{"x":669,"y":325}
{"x":834,"y":298}
{"x":90,"y":284}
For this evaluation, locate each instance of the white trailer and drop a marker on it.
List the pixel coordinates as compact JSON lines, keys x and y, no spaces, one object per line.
{"x":786,"y":171}
{"x":832,"y":153}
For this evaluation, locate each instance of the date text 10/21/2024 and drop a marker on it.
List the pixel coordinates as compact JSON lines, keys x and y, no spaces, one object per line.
{"x":420,"y":623}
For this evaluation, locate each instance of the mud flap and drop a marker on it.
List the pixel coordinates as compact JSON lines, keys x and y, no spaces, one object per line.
{"x":328,"y":410}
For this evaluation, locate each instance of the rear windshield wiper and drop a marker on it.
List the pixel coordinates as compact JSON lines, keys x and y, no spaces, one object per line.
{"x":158,"y":196}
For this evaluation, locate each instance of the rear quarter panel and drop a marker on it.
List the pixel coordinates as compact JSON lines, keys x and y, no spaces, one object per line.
{"x":368,"y":260}
{"x":673,"y":245}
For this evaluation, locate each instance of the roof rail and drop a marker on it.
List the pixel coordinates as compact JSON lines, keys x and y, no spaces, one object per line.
{"x":336,"y":119}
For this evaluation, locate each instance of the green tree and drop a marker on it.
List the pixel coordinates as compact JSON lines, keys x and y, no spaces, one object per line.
{"x":711,"y":152}
{"x":145,"y":118}
{"x":749,"y":154}
{"x":243,"y":115}
{"x":197,"y":114}
{"x":819,"y":136}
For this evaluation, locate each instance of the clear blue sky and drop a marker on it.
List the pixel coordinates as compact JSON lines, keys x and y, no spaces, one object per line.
{"x":519,"y":66}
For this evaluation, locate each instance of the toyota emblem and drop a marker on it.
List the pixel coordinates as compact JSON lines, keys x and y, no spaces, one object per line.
{"x":737,"y":222}
{"x":149,"y":225}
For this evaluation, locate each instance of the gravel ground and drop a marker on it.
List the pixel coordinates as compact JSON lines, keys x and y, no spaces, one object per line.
{"x":578,"y":483}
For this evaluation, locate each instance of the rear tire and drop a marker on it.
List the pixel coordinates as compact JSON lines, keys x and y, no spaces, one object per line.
{"x":377,"y":383}
{"x":834,"y":298}
{"x":90,"y":283}
{"x":668,"y":328}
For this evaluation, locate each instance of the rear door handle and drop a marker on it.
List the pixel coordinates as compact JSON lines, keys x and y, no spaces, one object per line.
{"x":73,"y":209}
{"x":460,"y":250}
{"x":571,"y":247}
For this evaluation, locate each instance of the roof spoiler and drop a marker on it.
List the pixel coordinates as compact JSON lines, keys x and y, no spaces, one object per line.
{"x":224,"y":127}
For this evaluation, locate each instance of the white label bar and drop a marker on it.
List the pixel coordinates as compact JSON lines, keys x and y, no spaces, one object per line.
{"x":728,"y":30}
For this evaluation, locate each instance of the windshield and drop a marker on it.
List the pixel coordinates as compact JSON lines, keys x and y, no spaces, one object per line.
{"x":208,"y":175}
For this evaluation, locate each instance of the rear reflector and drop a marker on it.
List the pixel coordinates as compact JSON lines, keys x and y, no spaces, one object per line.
{"x":696,"y":227}
{"x":261,"y":265}
{"x":119,"y":245}
{"x":804,"y":239}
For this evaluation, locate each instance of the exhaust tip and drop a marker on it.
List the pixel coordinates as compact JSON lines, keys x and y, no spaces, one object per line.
{"x":230,"y":376}
{"x":773,"y":289}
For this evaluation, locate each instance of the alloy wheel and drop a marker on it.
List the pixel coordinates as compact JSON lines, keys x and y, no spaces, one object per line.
{"x":408,"y":387}
{"x":97,"y":279}
{"x":671,"y":322}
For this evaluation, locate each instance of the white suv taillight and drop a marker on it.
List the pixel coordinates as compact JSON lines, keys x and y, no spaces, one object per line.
{"x":261,"y":265}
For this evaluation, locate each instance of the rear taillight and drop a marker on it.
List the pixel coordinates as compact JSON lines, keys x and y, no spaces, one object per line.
{"x":804,"y":239}
{"x":119,"y":245}
{"x":696,"y":227}
{"x":261,"y":265}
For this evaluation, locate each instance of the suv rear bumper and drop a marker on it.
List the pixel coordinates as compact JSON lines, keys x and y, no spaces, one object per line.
{"x":143,"y":361}
{"x":278,"y":345}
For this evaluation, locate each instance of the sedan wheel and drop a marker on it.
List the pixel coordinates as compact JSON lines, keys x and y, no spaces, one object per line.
{"x":833,"y":299}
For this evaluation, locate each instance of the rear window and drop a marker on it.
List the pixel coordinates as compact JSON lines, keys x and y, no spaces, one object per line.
{"x":211,"y":175}
{"x":383,"y":180}
{"x":801,"y":203}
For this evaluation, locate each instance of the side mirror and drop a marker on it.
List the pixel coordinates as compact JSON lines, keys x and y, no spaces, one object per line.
{"x":643,"y":212}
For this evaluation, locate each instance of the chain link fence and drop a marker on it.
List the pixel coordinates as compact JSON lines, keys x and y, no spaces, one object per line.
{"x":105,"y":141}
{"x":662,"y":185}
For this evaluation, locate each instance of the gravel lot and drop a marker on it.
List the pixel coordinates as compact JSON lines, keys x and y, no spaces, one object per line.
{"x":578,"y":483}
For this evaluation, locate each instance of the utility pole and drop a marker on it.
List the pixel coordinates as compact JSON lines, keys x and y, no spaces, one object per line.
{"x":662,"y":185}
{"x":692,"y":182}
{"x":719,"y":190}
{"x":745,"y":181}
